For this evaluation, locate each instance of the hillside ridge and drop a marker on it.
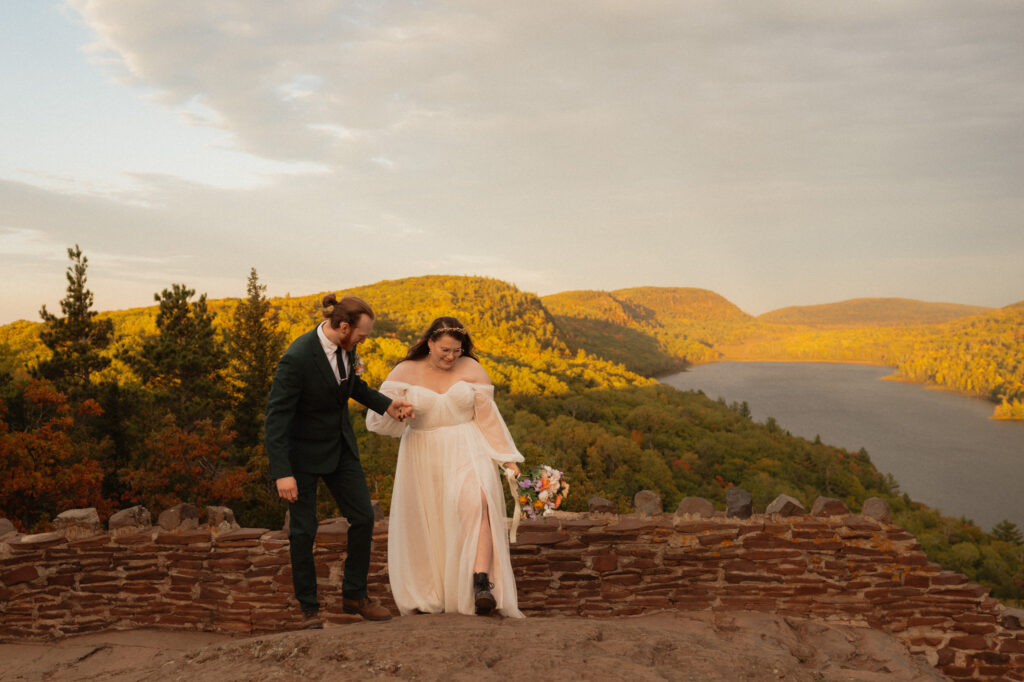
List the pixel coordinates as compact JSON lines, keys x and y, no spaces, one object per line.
{"x":867,"y":312}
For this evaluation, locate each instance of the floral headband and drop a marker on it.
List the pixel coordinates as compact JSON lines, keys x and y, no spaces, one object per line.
{"x":447,"y":330}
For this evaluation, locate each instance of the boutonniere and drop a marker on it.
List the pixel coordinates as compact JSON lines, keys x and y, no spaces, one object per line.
{"x":360,"y":366}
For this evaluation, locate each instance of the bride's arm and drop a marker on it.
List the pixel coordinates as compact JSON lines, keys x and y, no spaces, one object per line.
{"x":490,"y":423}
{"x":385,"y":424}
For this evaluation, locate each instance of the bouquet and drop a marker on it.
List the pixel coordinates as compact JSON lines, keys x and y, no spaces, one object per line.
{"x":541,"y":491}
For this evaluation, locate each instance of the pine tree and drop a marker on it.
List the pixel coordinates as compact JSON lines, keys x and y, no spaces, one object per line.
{"x":183,"y":363}
{"x":1007,"y":531}
{"x":255,"y":343}
{"x":77,"y":338}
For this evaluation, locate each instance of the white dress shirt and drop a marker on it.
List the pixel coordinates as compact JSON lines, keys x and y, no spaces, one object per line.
{"x":332,"y":351}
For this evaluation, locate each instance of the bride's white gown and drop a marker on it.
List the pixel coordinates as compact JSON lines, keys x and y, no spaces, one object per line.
{"x":446,"y":468}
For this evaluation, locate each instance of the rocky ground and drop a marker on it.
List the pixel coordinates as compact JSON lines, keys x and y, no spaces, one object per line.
{"x":692,"y":646}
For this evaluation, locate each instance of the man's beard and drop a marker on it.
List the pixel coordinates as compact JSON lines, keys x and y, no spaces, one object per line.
{"x":344,"y":340}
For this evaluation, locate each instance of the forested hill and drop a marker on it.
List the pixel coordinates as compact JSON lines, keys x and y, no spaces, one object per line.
{"x":871,"y":312}
{"x":653,"y":330}
{"x":650,"y":330}
{"x":516,"y":337}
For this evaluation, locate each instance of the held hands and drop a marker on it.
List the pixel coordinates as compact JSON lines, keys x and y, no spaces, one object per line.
{"x":401,"y":410}
{"x":287,"y":488}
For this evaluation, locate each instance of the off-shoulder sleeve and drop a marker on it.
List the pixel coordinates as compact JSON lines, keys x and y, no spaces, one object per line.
{"x":490,"y":423}
{"x":385,"y":424}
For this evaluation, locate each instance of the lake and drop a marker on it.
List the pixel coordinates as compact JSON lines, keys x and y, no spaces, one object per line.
{"x":941,"y":447}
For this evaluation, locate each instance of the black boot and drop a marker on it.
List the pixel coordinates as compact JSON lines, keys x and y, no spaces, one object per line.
{"x":482,"y":593}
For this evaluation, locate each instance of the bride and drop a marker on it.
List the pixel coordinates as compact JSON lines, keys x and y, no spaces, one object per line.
{"x":447,"y":545}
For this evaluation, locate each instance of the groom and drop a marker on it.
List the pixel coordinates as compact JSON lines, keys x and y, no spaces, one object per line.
{"x":309,"y":436}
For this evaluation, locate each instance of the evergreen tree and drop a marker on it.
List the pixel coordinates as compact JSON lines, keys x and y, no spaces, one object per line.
{"x":183,"y":363}
{"x":255,"y":343}
{"x":1008,"y":531}
{"x":77,"y":338}
{"x":8,"y":364}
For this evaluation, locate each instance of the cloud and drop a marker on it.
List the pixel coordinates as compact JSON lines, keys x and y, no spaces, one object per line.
{"x":593,"y":93}
{"x":577,"y":144}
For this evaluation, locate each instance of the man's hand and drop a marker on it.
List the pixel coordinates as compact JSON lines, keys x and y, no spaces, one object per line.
{"x":400,"y":410}
{"x":287,"y":488}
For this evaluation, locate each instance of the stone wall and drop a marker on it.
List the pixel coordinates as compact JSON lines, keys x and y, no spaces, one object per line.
{"x":846,"y":568}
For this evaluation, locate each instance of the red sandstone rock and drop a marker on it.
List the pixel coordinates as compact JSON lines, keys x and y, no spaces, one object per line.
{"x":532,"y":538}
{"x":784,"y":505}
{"x":240,"y":535}
{"x":32,"y":542}
{"x":19,"y":575}
{"x":180,"y":517}
{"x":877,"y":508}
{"x":1011,"y":646}
{"x":647,"y":503}
{"x":829,"y":506}
{"x":969,"y":642}
{"x":716,"y":538}
{"x":78,"y":523}
{"x":601,"y":505}
{"x":130,"y":521}
{"x":695,"y":506}
{"x":193,"y":537}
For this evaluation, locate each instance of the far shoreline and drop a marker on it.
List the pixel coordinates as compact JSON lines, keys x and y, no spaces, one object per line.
{"x":895,"y":376}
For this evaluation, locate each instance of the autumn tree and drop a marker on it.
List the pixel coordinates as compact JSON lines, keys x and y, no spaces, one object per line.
{"x":187,"y":465}
{"x":254,"y":343}
{"x":77,"y":339}
{"x":44,"y":468}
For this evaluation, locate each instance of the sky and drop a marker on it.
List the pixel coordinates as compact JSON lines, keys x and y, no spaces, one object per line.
{"x":776,"y":152}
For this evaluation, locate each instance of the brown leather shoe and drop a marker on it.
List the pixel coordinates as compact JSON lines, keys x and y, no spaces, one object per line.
{"x":311,"y":621}
{"x":365,"y":608}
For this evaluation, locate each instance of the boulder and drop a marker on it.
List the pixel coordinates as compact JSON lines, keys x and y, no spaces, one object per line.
{"x":784,"y":505}
{"x":829,"y":506}
{"x":6,"y":528}
{"x":220,"y":519}
{"x":739,"y":504}
{"x":647,"y":503}
{"x":130,"y":521}
{"x":697,"y":506}
{"x":78,"y":523}
{"x":1012,"y":619}
{"x":599,"y":504}
{"x":180,"y":517}
{"x":878,"y":509}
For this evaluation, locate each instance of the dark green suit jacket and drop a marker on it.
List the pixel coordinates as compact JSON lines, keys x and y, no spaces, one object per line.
{"x":308,"y":427}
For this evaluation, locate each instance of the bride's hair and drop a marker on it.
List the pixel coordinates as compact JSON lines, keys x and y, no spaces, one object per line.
{"x":442,"y":326}
{"x":348,"y":309}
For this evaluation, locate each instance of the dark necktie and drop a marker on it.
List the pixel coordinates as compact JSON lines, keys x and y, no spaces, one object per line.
{"x":338,"y":353}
